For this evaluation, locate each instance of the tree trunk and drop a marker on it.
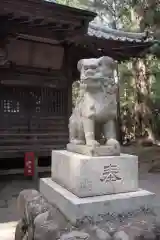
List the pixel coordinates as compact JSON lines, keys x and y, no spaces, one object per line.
{"x":143,"y":114}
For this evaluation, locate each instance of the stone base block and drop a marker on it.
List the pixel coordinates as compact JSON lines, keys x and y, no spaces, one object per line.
{"x":94,"y":208}
{"x":94,"y":176}
{"x":96,"y":151}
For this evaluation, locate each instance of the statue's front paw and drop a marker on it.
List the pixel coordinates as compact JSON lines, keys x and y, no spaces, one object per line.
{"x":77,"y":142}
{"x":93,"y":143}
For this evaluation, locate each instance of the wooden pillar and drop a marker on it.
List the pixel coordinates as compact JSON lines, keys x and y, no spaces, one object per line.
{"x":67,"y":68}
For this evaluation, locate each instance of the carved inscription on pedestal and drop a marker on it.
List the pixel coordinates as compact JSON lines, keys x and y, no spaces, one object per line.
{"x":110,"y":174}
{"x":86,"y":184}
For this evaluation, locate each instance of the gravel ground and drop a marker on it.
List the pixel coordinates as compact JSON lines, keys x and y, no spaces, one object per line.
{"x":10,"y":188}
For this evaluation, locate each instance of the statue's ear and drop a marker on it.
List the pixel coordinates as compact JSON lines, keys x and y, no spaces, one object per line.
{"x":110,"y":61}
{"x":79,"y":65}
{"x":107,"y":60}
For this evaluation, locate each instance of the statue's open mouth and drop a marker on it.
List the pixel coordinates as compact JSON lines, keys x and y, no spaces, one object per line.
{"x":92,"y":77}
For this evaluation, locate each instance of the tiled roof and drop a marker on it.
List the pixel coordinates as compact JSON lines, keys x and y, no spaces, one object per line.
{"x":101,"y":31}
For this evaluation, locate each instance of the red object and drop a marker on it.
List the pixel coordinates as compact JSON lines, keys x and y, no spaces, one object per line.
{"x":29,"y":164}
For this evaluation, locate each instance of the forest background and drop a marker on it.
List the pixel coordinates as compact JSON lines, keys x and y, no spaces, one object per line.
{"x":138,"y":79}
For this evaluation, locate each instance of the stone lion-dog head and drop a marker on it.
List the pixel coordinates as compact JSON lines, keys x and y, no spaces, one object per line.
{"x":91,"y":70}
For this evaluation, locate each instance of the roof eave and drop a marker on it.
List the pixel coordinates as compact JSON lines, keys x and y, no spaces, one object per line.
{"x":105,"y":32}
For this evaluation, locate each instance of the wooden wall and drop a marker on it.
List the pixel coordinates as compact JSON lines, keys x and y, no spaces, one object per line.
{"x":34,"y":54}
{"x":34,"y":99}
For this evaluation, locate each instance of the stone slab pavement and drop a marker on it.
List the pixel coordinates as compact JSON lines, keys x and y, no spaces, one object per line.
{"x":10,"y":188}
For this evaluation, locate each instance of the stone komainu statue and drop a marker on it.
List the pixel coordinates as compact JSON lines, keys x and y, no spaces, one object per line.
{"x":96,"y":108}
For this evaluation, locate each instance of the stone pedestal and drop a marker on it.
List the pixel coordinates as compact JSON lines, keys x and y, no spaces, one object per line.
{"x":84,"y":187}
{"x":93,"y":209}
{"x":87,"y":176}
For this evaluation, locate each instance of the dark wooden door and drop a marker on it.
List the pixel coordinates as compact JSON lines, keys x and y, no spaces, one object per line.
{"x":13,"y":110}
{"x":33,"y":116}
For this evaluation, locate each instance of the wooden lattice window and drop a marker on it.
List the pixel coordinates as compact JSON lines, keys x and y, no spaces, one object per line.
{"x":27,"y":109}
{"x":48,"y":101}
{"x":10,"y":106}
{"x":36,"y":101}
